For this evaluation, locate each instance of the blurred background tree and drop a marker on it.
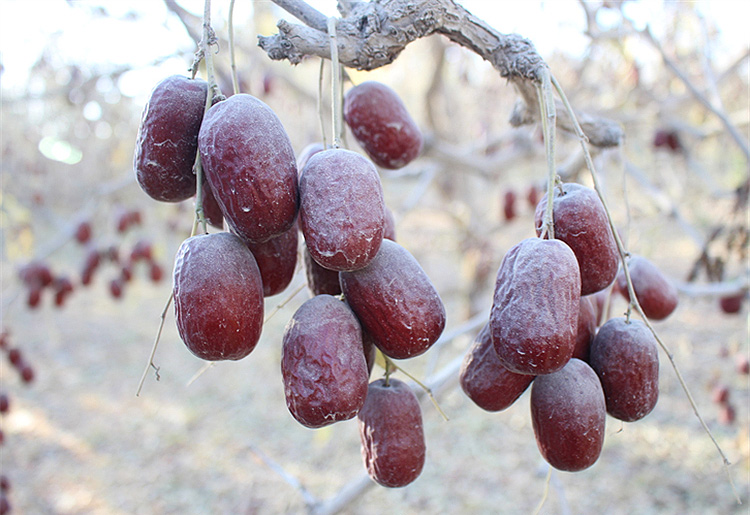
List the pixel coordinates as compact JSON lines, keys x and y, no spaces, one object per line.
{"x":74,"y":82}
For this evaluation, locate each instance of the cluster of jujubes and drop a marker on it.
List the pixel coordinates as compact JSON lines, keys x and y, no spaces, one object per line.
{"x":369,"y":292}
{"x":542,"y":332}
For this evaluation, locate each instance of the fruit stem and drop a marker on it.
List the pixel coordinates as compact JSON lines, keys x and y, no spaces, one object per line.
{"x":548,"y":117}
{"x":320,"y":102}
{"x":150,"y":364}
{"x":633,"y":299}
{"x":545,"y":494}
{"x":335,"y":84}
{"x":390,"y":367}
{"x":235,"y":82}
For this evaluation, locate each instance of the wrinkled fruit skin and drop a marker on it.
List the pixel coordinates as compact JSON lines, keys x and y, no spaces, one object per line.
{"x":323,"y":364}
{"x":342,"y":211}
{"x":390,"y":429}
{"x":656,"y":294}
{"x":581,"y":222}
{"x":485,"y":380}
{"x":277,"y":259}
{"x":382,"y":125}
{"x":218,"y":297}
{"x":250,"y":165}
{"x":534,"y":318}
{"x":568,"y":414}
{"x":587,"y":317}
{"x":320,"y":280}
{"x":167,"y":140}
{"x":625,"y":357}
{"x":396,"y":302}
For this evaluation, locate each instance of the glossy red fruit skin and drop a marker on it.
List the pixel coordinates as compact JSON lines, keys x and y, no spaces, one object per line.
{"x":568,"y":415}
{"x":320,"y":280}
{"x":250,"y":165}
{"x":587,"y":317}
{"x":485,"y":380}
{"x":391,"y":434}
{"x":382,"y":125}
{"x":342,"y":210}
{"x":581,"y":222}
{"x":167,"y":141}
{"x":396,"y":302}
{"x":656,"y":294}
{"x":534,"y":317}
{"x":625,"y":357}
{"x":218,"y":297}
{"x":322,"y":363}
{"x":277,"y":259}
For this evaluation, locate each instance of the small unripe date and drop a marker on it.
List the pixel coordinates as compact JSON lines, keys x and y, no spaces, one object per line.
{"x":625,"y":357}
{"x":390,"y":428}
{"x":167,"y":141}
{"x":655,"y":293}
{"x":323,"y":363}
{"x":218,"y":297}
{"x":485,"y":380}
{"x":382,"y":125}
{"x":568,"y":414}
{"x":396,"y":302}
{"x":581,"y":222}
{"x":342,"y":211}
{"x":534,"y":318}
{"x":250,"y":165}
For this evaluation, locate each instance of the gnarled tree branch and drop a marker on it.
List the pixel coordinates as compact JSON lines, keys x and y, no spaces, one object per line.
{"x":373,"y":34}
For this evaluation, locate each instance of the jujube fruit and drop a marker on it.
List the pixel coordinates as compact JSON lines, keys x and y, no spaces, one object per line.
{"x":534,"y":317}
{"x":391,"y":433}
{"x":167,"y":142}
{"x":250,"y":165}
{"x":276,"y":259}
{"x":320,"y":280}
{"x":396,"y":302}
{"x":218,"y":297}
{"x":655,"y":292}
{"x":587,"y":317}
{"x":382,"y":125}
{"x":342,"y":211}
{"x":625,"y":357}
{"x":568,"y":414}
{"x":581,"y":221}
{"x":323,"y":364}
{"x":485,"y":380}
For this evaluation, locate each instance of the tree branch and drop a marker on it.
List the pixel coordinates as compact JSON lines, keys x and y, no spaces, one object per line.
{"x":374,"y":33}
{"x":304,"y":12}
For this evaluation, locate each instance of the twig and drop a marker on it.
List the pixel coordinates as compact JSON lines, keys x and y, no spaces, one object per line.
{"x":731,"y":129}
{"x":310,"y":499}
{"x":233,"y":62}
{"x":373,"y":34}
{"x":305,"y":13}
{"x":631,"y":291}
{"x":150,"y":364}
